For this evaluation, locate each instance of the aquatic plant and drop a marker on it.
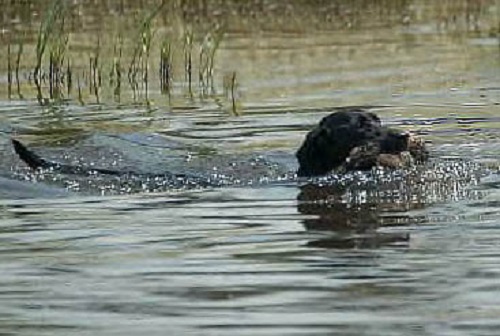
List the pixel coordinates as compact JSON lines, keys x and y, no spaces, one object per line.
{"x":165,"y":66}
{"x":95,"y":71}
{"x":230,"y":86}
{"x":9,"y":72}
{"x":142,"y":50}
{"x":57,"y":71}
{"x":18,"y":65}
{"x":15,"y":70}
{"x":115,"y":74}
{"x":69,"y":77}
{"x":208,"y":49}
{"x":188,"y":59}
{"x":56,"y":64}
{"x":52,"y":34}
{"x":80,"y":96}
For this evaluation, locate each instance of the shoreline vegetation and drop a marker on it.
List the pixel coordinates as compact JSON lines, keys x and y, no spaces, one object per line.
{"x":170,"y":48}
{"x":60,"y":67}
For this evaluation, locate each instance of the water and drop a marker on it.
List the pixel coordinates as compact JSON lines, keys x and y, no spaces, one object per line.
{"x":265,"y":253}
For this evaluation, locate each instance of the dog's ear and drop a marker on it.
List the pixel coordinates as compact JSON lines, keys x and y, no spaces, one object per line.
{"x":313,"y":153}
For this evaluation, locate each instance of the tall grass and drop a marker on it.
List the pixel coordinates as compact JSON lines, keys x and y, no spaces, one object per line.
{"x":95,"y":71}
{"x":57,"y":70}
{"x":208,"y":49}
{"x":230,"y":86}
{"x":69,"y":77}
{"x":9,"y":72}
{"x":52,"y":36}
{"x":188,"y":59}
{"x":56,"y":64}
{"x":165,"y":66}
{"x":115,"y":74}
{"x":140,"y":58}
{"x":18,"y":65}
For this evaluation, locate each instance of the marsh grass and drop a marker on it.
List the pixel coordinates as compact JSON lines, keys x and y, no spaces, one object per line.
{"x":69,"y":78}
{"x":139,"y":64}
{"x":61,"y":70}
{"x":208,"y":49}
{"x":80,"y":95}
{"x":9,"y":72}
{"x":53,"y":37}
{"x":20,"y":49}
{"x":188,"y":59}
{"x":165,"y":67}
{"x":95,"y":72}
{"x":13,"y":71}
{"x":115,"y":73}
{"x":56,"y":65}
{"x":230,"y":86}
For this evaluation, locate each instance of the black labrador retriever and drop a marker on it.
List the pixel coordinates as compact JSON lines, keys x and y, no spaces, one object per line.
{"x":356,"y":140}
{"x":343,"y":141}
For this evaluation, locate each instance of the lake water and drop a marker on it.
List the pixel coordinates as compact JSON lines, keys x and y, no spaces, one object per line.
{"x":256,"y":252}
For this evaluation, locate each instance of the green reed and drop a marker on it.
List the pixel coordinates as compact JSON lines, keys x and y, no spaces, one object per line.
{"x":95,"y":71}
{"x":165,"y":66}
{"x":142,"y":51}
{"x":50,"y":24}
{"x":208,"y":49}
{"x":55,"y":66}
{"x":80,"y":96}
{"x":188,"y":59}
{"x":69,"y":77}
{"x":9,"y":72}
{"x":20,"y":49}
{"x":52,"y":37}
{"x":115,"y":74}
{"x":230,"y":86}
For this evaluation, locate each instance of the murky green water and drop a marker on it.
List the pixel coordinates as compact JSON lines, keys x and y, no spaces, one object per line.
{"x":258,"y":252}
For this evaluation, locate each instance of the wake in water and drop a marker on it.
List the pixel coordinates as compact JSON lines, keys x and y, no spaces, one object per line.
{"x":109,"y":181}
{"x":364,"y":161}
{"x":435,"y":181}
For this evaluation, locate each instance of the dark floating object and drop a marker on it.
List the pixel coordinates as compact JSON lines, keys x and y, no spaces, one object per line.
{"x":356,"y":140}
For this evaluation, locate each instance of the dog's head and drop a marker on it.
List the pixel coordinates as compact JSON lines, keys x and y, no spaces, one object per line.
{"x":327,"y":146}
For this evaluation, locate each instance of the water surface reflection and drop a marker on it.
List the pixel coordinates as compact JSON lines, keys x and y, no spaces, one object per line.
{"x":242,"y":261}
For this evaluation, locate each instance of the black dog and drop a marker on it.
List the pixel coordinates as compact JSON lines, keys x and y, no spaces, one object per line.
{"x":356,"y":140}
{"x":346,"y":140}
